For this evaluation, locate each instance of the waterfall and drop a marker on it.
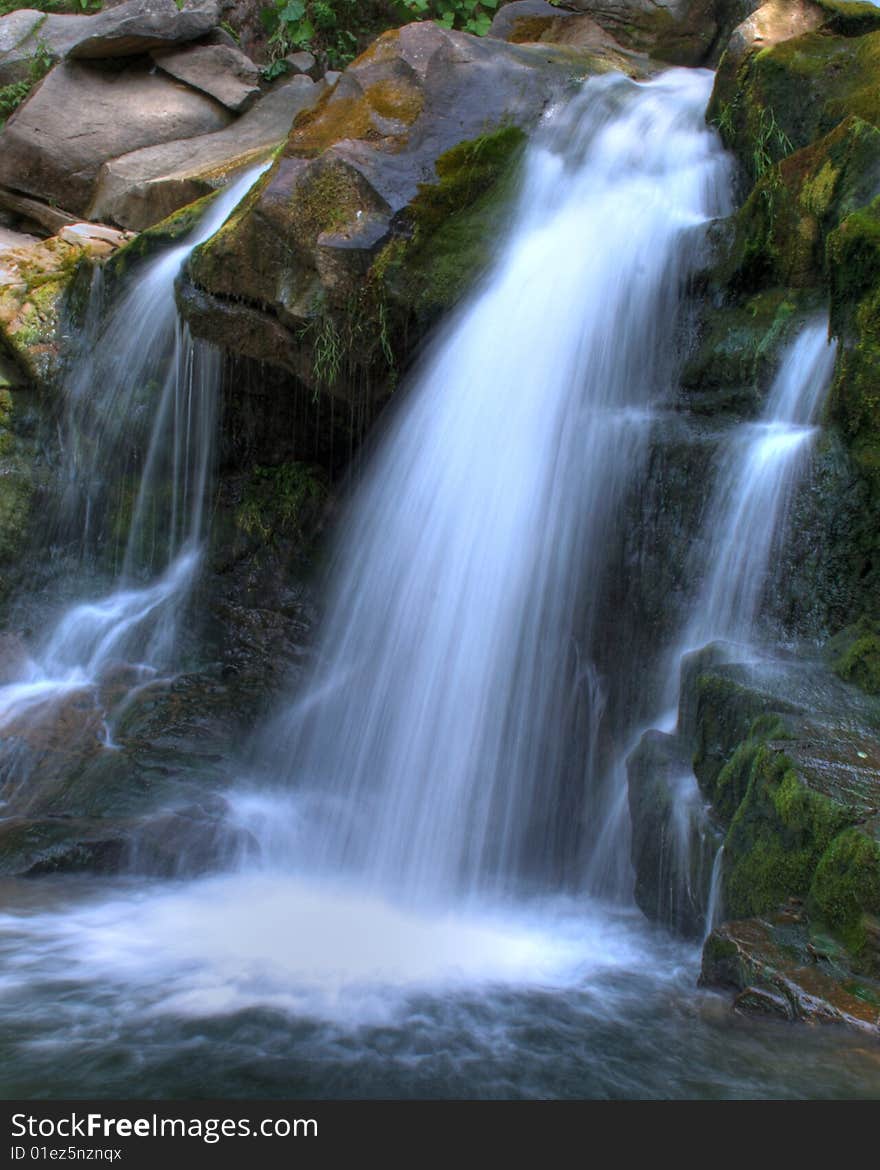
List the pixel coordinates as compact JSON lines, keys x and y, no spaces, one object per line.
{"x":759,"y":470}
{"x":451,"y":735}
{"x":139,"y":409}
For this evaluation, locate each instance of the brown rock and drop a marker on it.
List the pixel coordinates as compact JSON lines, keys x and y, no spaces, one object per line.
{"x":80,"y":116}
{"x":141,"y":188}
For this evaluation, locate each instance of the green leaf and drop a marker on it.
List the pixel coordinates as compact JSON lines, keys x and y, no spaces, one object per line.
{"x":292,"y":11}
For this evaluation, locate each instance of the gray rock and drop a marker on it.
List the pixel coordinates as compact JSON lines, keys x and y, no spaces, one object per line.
{"x":223,"y":73}
{"x":302,"y":62}
{"x":138,"y":189}
{"x":81,"y":115}
{"x":140,"y":25}
{"x":136,"y":26}
{"x":16,"y":32}
{"x":332,"y":76}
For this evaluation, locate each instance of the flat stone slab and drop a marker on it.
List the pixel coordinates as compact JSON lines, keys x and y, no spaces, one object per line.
{"x":223,"y":73}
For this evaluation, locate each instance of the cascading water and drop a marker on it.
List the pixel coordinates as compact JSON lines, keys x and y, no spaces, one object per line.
{"x":140,"y":402}
{"x":455,"y":730}
{"x":444,"y":738}
{"x":759,"y":471}
{"x":745,"y":522}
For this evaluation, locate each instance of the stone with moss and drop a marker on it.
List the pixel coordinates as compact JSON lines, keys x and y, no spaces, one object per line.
{"x":782,"y":965}
{"x":380,"y":212}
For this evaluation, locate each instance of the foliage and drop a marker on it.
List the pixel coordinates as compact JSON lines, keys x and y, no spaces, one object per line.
{"x":11,"y":96}
{"x":51,"y":6}
{"x":329,"y":28}
{"x":474,"y":16}
{"x":336,"y":30}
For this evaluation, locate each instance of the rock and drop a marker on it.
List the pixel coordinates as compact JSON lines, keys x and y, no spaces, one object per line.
{"x":673,"y":842}
{"x":771,"y":24}
{"x":506,"y":19}
{"x":344,"y":192}
{"x":10,"y":239}
{"x":14,"y":659}
{"x":121,"y":31}
{"x":331,"y":77}
{"x":16,"y":31}
{"x":779,"y":971}
{"x":223,"y":73}
{"x":94,"y":238}
{"x":789,"y":758}
{"x":527,"y":21}
{"x":34,"y":280}
{"x":34,"y":210}
{"x":139,"y":189}
{"x":303,"y":62}
{"x":681,"y":32}
{"x":81,"y":115}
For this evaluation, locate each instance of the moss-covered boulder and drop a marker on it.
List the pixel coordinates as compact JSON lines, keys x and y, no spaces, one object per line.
{"x":789,"y":759}
{"x":381,"y":209}
{"x":771,"y":99}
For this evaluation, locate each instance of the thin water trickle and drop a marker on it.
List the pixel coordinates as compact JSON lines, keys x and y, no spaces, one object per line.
{"x":759,"y":470}
{"x":140,"y":397}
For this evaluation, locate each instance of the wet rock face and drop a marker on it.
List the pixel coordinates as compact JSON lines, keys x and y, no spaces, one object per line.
{"x":780,"y":967}
{"x":674,"y":842}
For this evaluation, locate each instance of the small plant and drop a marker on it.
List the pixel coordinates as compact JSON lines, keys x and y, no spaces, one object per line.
{"x":328,"y":28}
{"x":473,"y":16}
{"x":771,"y":143}
{"x":281,"y":501}
{"x":12,"y":96}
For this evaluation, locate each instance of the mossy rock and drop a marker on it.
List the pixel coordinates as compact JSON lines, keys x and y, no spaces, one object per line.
{"x":796,"y":205}
{"x":845,"y":892}
{"x":784,"y":98}
{"x":451,"y":236}
{"x":855,"y":655}
{"x":778,"y":833}
{"x":738,"y":349}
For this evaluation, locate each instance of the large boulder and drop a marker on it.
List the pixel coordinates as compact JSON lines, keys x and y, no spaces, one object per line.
{"x":145,"y":186}
{"x":136,"y":26}
{"x":81,"y":115}
{"x":681,"y":32}
{"x":347,"y":209}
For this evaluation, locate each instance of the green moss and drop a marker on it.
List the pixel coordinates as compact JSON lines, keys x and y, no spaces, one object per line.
{"x":856,"y":655}
{"x":846,"y":888}
{"x":854,"y":265}
{"x":777,"y":836}
{"x":850,"y":18}
{"x":454,"y":226}
{"x":786,"y":97}
{"x":281,"y":502}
